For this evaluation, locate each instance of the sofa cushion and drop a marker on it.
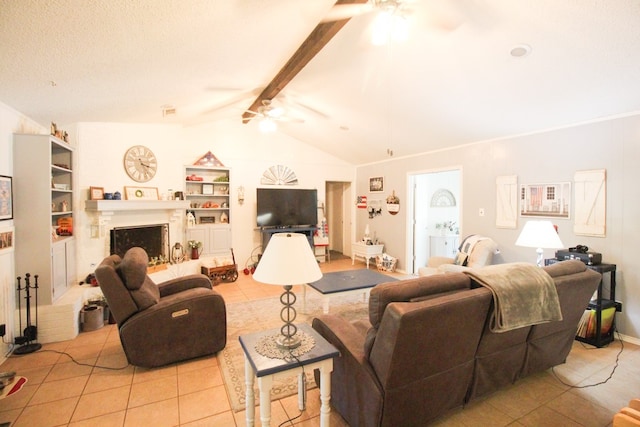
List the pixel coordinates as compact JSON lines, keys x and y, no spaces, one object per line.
{"x":133,"y":271}
{"x":410,"y":289}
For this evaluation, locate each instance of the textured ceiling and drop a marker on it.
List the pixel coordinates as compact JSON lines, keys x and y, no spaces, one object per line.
{"x":121,"y":60}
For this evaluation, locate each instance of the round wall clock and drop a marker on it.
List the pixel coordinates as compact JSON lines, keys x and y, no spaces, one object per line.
{"x":140,"y":163}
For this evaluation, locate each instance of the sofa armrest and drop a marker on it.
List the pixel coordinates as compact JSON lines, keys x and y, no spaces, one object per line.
{"x":342,"y":334}
{"x":183,"y":283}
{"x":437,"y":261}
{"x":453,"y":268}
{"x":356,"y":392}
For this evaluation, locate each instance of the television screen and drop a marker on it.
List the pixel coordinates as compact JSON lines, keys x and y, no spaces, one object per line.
{"x":285,"y":207}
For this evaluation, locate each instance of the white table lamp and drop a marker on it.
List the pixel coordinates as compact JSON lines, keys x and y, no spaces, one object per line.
{"x":540,"y":235}
{"x":288,"y":260}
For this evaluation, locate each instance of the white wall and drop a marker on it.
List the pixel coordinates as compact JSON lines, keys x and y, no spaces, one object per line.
{"x":545,"y":157}
{"x":10,"y":122}
{"x":242,"y":148}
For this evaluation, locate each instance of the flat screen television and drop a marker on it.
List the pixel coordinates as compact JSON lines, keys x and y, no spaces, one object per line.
{"x":287,"y":207}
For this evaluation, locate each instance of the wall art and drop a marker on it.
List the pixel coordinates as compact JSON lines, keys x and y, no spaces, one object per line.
{"x":6,"y":197}
{"x":545,"y":200}
{"x":507,"y":201}
{"x":6,"y":239}
{"x":590,"y":203}
{"x":376,"y":184}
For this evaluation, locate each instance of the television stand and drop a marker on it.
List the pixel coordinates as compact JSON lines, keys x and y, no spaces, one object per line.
{"x":267,"y":232}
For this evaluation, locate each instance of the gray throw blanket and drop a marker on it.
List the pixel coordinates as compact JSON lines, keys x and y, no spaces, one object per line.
{"x":523,"y":295}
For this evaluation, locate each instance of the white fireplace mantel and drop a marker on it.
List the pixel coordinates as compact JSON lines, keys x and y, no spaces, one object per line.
{"x":107,"y":208}
{"x":134,"y":205}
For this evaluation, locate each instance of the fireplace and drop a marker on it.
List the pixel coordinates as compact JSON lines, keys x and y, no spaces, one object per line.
{"x":154,"y":239}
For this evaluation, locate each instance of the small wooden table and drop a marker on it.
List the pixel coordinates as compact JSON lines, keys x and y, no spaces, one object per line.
{"x":267,"y":369}
{"x":362,"y":250}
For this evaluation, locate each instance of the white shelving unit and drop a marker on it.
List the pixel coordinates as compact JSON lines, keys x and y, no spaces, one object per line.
{"x":43,"y":186}
{"x":210,"y":204}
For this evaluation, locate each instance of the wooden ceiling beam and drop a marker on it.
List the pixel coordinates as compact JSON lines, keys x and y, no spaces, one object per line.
{"x":319,"y":37}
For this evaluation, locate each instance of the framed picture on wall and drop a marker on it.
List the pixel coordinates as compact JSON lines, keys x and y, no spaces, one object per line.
{"x":6,"y":198}
{"x":96,"y":193}
{"x":376,"y":184}
{"x":6,"y":239}
{"x":545,"y":200}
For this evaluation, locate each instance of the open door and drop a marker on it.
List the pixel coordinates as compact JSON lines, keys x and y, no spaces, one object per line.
{"x":435,"y":210}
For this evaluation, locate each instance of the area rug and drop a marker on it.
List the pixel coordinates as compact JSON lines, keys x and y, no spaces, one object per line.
{"x":252,"y":316}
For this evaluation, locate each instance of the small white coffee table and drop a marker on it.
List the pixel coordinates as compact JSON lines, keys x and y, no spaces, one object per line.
{"x":362,"y":250}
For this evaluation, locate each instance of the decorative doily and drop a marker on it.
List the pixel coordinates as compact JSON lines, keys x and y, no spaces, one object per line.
{"x":268,"y":347}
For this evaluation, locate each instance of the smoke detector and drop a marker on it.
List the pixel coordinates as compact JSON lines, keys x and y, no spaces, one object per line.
{"x":168,"y":110}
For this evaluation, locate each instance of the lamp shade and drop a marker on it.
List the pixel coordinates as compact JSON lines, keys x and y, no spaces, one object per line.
{"x":287,"y":260}
{"x":539,"y":234}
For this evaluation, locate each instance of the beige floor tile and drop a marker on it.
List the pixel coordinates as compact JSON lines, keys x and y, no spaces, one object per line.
{"x":19,"y":399}
{"x":34,"y":375}
{"x":158,"y":414}
{"x":65,"y":370}
{"x":153,"y":391}
{"x":192,"y":381}
{"x":199,"y":363}
{"x":546,"y":417}
{"x":225,"y":419}
{"x":147,"y":374}
{"x":202,"y":404}
{"x":581,"y":410}
{"x":9,"y":416}
{"x":115,"y":419}
{"x":105,"y":380}
{"x":48,"y":414}
{"x":103,"y":402}
{"x":57,"y":390}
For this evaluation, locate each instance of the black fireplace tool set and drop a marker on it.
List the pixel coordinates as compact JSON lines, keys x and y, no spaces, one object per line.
{"x":31,"y":331}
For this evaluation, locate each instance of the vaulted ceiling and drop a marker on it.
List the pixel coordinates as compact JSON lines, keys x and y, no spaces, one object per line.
{"x":454,"y":82}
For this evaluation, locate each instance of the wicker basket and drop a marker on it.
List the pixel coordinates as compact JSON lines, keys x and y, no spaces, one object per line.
{"x":386,"y":262}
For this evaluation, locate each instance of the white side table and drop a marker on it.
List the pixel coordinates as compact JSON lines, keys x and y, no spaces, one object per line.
{"x":267,"y":369}
{"x":362,"y":250}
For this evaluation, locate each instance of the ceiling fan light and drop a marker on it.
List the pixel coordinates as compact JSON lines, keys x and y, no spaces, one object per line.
{"x":389,"y":25}
{"x":267,"y":125}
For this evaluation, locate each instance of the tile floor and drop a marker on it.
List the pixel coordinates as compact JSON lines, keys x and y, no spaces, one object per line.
{"x":60,"y":392}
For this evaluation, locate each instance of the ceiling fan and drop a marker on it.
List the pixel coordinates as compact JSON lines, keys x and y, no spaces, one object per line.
{"x":268,"y":116}
{"x":345,"y":11}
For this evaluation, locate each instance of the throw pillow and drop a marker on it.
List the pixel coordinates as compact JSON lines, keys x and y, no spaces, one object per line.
{"x":461,"y":259}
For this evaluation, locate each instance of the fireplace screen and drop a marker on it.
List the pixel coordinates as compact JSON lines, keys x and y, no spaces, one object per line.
{"x":154,"y":239}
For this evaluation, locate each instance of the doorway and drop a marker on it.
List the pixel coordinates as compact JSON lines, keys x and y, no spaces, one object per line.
{"x":435,"y":210}
{"x":337,"y":211}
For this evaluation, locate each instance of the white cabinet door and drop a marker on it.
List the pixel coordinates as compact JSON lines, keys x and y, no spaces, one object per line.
{"x":70,"y":248}
{"x":446,"y":246}
{"x":58,"y":269}
{"x":216,"y":239}
{"x":219,"y":240}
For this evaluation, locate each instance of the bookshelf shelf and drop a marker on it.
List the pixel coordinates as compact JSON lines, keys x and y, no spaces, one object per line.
{"x":600,"y":333}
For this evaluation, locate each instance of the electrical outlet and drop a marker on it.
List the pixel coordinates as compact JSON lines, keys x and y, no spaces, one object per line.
{"x":481,"y":212}
{"x":3,"y":330}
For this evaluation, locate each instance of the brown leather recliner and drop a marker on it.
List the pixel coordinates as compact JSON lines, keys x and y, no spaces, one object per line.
{"x":176,"y":320}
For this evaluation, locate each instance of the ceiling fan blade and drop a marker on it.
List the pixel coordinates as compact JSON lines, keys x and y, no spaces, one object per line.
{"x":346,"y":11}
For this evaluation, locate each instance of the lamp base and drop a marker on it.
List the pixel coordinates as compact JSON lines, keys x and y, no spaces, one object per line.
{"x":540,"y":258}
{"x":288,"y":342}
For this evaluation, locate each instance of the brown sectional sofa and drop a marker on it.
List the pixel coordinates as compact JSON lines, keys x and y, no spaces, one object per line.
{"x":427,"y":346}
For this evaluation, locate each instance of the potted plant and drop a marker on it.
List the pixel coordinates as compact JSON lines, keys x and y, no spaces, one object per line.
{"x":196,"y":248}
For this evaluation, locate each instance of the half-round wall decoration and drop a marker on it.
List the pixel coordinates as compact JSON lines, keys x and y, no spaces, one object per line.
{"x":442,"y":198}
{"x":279,"y":175}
